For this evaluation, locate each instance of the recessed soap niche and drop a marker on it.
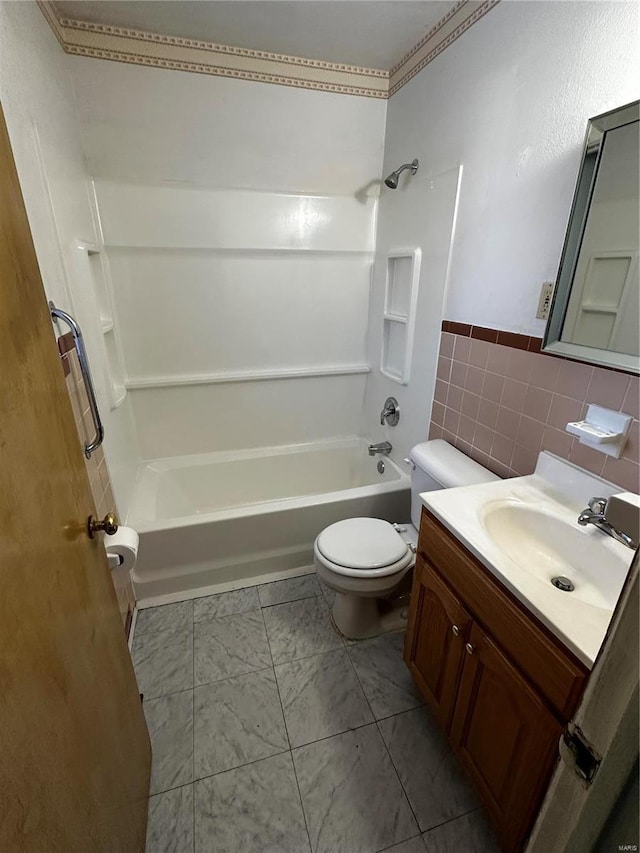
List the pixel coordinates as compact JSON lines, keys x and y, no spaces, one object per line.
{"x":400,"y":300}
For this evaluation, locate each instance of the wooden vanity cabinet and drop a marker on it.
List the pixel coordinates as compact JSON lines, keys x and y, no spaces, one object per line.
{"x":435,"y":641}
{"x":501,"y":687}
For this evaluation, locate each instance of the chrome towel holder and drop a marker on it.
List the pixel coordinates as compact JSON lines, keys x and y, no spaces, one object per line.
{"x":57,"y":314}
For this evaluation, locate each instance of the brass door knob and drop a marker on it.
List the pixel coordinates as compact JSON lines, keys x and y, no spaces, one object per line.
{"x":108,"y":525}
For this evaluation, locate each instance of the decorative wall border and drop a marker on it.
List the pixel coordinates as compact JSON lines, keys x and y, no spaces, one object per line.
{"x":138,"y":47}
{"x":493,"y":336}
{"x":456,"y":22}
{"x":517,"y":341}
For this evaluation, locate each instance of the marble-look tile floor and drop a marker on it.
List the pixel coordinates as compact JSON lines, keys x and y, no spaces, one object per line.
{"x":271,"y":734}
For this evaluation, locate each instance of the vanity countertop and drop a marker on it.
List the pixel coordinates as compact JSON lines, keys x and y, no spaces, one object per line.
{"x":524,"y":530}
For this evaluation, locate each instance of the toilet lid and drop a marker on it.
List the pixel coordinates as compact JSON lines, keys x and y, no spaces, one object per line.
{"x":361,"y":543}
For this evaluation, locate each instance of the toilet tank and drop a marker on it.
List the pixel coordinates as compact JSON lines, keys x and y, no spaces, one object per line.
{"x":438,"y":465}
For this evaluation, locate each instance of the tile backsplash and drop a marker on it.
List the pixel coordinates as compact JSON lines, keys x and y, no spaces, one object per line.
{"x":502,"y":403}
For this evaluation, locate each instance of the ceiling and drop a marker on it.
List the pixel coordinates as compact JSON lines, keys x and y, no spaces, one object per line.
{"x":369,"y":33}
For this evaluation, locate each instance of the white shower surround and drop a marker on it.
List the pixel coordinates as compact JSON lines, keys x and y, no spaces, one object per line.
{"x":219,"y":520}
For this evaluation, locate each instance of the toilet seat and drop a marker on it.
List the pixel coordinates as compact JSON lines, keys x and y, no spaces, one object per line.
{"x":363,"y":547}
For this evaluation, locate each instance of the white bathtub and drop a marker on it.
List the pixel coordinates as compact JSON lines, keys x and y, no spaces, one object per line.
{"x":225,"y":519}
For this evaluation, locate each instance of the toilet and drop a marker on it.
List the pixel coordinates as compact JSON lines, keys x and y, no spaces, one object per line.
{"x":364,"y":560}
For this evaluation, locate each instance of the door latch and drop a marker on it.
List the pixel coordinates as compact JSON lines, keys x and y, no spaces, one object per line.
{"x":581,"y":754}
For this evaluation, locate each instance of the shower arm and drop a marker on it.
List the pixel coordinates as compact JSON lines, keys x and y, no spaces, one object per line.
{"x":413,"y":166}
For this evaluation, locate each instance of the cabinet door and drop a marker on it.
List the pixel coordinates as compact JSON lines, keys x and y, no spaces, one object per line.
{"x":434,"y":648}
{"x":505,"y":736}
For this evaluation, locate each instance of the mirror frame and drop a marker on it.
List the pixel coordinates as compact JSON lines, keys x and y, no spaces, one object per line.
{"x":597,"y":129}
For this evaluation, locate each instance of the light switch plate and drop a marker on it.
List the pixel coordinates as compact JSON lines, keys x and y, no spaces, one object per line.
{"x":544,"y":304}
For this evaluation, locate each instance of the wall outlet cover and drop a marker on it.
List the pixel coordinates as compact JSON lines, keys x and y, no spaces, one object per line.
{"x":546,"y":297}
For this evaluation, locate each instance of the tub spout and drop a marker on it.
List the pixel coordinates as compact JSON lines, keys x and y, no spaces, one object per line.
{"x":382,"y":447}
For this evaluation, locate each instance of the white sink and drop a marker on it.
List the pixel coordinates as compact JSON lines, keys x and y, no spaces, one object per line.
{"x":547,"y":547}
{"x":525,"y":531}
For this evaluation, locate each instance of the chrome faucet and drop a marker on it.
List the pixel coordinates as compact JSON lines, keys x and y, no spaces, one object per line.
{"x":381,"y":447}
{"x":596,"y":514}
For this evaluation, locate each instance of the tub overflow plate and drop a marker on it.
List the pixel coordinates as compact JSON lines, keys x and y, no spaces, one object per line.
{"x":380,"y":467}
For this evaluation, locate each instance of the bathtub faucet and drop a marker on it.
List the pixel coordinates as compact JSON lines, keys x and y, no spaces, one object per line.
{"x":382,"y":447}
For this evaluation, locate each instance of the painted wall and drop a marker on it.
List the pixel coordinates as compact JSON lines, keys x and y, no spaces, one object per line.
{"x":509,"y":101}
{"x":239,"y":220}
{"x":39,"y":106}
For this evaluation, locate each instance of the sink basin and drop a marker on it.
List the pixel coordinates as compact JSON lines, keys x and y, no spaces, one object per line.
{"x":525,"y":531}
{"x":546,"y":547}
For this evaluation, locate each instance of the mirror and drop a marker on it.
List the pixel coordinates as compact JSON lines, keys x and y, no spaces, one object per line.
{"x":595,"y":315}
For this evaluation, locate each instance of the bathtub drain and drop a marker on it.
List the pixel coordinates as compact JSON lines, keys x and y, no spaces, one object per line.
{"x":563,"y":583}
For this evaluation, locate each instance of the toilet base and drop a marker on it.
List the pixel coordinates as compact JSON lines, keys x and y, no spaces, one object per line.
{"x":359,"y":618}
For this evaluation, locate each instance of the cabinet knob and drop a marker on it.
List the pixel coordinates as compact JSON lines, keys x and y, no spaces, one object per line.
{"x":470,"y":649}
{"x":455,"y":630}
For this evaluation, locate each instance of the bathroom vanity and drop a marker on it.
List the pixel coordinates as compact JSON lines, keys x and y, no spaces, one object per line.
{"x":502,"y":670}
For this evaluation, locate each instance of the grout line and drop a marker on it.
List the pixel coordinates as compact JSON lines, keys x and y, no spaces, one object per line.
{"x":166,"y":790}
{"x":251,"y":672}
{"x":275,"y":678}
{"x":236,"y":767}
{"x":225,"y":616}
{"x":286,"y":730}
{"x":304,"y":814}
{"x":364,"y":693}
{"x":237,"y":675}
{"x":452,"y":819}
{"x":393,"y":764}
{"x":148,"y":699}
{"x":292,"y":600}
{"x":335,"y":734}
{"x":284,"y":720}
{"x":398,"y":843}
{"x":193,"y":718}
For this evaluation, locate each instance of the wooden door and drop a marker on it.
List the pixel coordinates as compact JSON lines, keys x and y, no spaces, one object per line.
{"x":505,"y":736}
{"x":74,"y":749}
{"x":436,"y":634}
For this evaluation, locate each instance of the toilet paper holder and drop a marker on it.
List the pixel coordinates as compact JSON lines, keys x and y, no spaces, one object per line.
{"x":122,"y":548}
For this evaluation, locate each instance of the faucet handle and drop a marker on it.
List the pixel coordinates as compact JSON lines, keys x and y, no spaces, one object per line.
{"x":390,"y":412}
{"x":598,"y":505}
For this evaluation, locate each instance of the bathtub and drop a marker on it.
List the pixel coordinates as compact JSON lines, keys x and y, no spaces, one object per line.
{"x":218,"y":520}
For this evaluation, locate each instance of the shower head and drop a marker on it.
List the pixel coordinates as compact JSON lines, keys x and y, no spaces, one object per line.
{"x":392,"y":180}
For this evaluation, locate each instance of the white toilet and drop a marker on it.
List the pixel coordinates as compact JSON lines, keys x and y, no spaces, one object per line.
{"x":365,"y":559}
